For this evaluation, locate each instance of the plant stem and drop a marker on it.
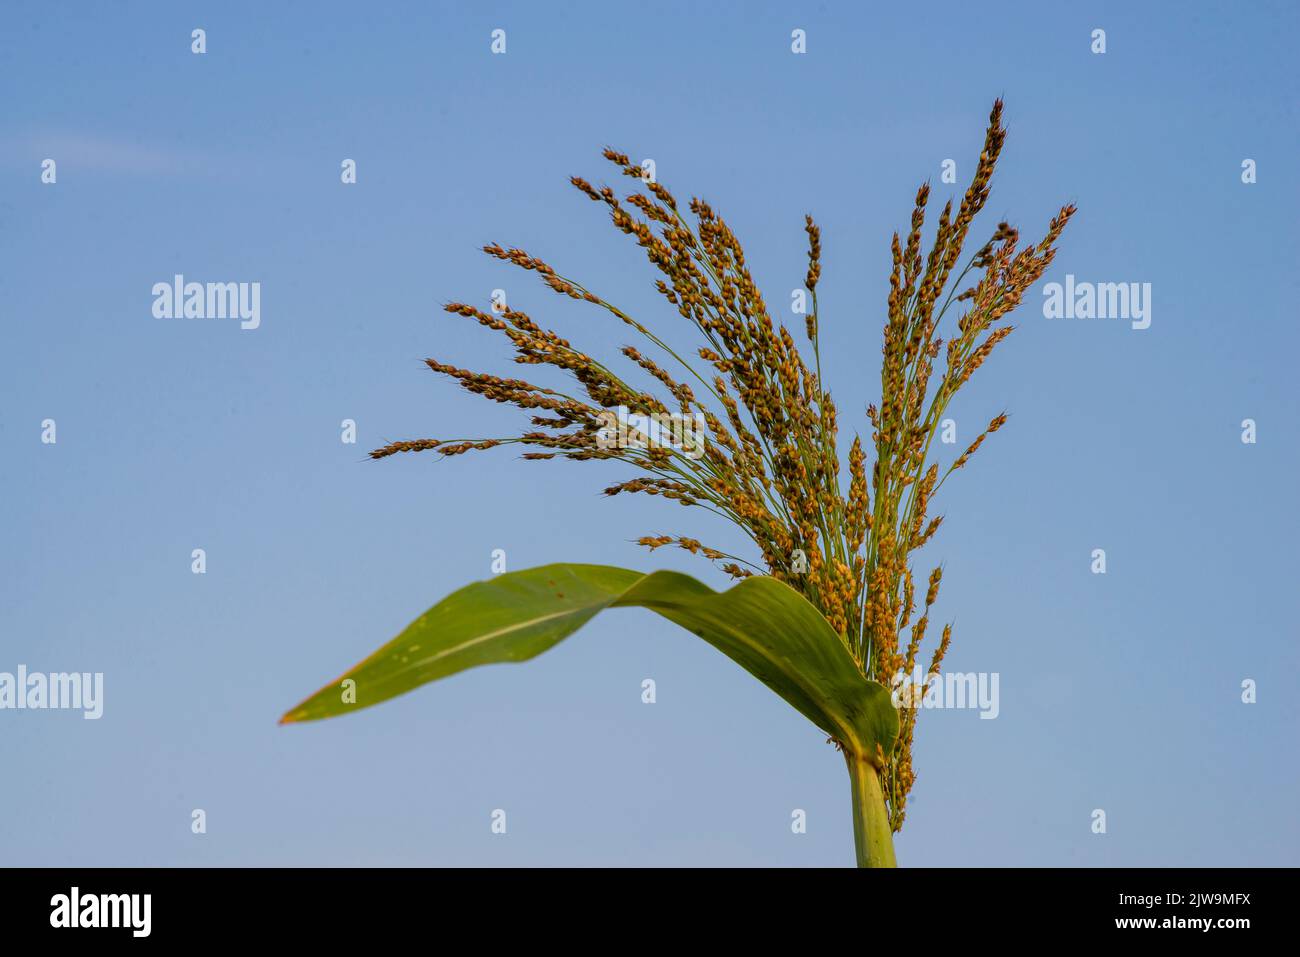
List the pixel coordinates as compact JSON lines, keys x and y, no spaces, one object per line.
{"x":871,"y":834}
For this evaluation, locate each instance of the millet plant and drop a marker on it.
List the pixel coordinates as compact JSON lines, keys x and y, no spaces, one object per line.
{"x":829,"y":610}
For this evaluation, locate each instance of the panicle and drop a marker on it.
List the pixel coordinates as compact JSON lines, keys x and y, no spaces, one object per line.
{"x":751,"y":435}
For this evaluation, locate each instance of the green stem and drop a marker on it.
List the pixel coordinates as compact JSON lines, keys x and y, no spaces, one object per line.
{"x":872,"y":837}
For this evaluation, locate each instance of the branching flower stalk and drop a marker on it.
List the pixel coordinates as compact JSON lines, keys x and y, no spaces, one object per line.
{"x":770,"y":463}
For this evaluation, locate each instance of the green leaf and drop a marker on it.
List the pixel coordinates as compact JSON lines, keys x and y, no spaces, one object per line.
{"x":763,"y":625}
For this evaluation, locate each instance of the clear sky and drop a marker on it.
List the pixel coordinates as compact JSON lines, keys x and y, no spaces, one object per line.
{"x":1119,"y":692}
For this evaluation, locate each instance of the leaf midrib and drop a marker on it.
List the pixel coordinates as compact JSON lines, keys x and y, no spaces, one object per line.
{"x":567,"y":613}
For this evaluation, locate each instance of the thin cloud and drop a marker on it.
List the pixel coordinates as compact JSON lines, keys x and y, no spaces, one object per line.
{"x":105,"y":154}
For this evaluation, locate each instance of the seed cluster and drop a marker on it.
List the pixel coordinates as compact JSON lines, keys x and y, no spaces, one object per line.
{"x":769,"y":462}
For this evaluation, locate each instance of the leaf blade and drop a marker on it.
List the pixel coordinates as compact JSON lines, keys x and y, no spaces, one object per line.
{"x":762,"y":624}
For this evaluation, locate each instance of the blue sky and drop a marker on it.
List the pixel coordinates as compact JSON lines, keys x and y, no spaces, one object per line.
{"x":1118,"y":691}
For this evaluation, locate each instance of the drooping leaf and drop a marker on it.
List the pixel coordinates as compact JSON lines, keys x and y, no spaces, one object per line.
{"x":762,"y":624}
